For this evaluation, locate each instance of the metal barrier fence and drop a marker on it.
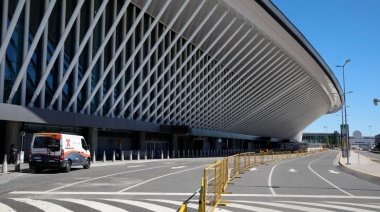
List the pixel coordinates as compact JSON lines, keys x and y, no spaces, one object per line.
{"x":217,"y":176}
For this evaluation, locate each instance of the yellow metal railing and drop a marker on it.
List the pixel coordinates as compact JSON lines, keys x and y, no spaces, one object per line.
{"x":217,"y":176}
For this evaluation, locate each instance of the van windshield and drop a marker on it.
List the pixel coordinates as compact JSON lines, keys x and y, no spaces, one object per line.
{"x":47,"y":142}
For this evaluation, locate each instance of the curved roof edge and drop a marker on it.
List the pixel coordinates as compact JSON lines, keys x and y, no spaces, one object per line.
{"x":273,"y":10}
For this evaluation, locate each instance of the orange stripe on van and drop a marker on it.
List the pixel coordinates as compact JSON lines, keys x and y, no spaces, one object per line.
{"x":51,"y":135}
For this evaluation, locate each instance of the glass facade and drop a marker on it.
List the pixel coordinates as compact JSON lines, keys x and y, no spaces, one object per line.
{"x":330,"y":139}
{"x":195,"y":63}
{"x":109,"y":93}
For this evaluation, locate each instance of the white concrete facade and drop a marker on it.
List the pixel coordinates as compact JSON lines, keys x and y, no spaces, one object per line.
{"x":236,"y":67}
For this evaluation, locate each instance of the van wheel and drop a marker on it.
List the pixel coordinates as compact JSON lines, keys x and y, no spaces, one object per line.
{"x":38,"y":170}
{"x":67,"y":168}
{"x":87,"y":164}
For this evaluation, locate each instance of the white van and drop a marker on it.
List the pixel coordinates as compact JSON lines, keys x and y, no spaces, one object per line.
{"x":58,"y":151}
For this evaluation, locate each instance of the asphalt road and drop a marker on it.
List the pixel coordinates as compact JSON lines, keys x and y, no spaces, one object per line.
{"x":152,"y":185}
{"x":311,"y":183}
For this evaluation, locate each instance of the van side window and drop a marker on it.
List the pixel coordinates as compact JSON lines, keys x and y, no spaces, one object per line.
{"x":84,"y":144}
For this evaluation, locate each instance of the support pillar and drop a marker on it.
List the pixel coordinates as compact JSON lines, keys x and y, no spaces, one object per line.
{"x":12,"y":135}
{"x":93,"y":140}
{"x":141,"y":140}
{"x":175,"y":142}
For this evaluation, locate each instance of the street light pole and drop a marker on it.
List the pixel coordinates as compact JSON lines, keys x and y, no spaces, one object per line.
{"x":345,"y":112}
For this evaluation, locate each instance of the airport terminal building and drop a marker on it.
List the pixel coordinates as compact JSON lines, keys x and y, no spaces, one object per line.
{"x":159,"y":74}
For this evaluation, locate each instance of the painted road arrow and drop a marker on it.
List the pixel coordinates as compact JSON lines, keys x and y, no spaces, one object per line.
{"x":292,"y":170}
{"x":333,"y":172}
{"x":178,"y":167}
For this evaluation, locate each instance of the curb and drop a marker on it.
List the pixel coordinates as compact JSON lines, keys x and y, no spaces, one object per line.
{"x":375,"y":179}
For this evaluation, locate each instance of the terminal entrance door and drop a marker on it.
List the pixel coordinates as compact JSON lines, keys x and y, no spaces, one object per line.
{"x":156,"y":147}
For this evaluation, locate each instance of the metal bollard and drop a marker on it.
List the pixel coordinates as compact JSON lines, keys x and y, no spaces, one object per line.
{"x":152,"y":155}
{"x":138,"y":154}
{"x":5,"y":164}
{"x":94,"y":158}
{"x":104,"y":156}
{"x":168,"y":155}
{"x":130,"y":155}
{"x":122,"y":155}
{"x":145,"y":156}
{"x":162,"y":155}
{"x":113,"y":156}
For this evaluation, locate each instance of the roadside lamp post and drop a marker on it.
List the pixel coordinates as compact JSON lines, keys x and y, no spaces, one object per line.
{"x":347,"y":140}
{"x":370,"y":130}
{"x":375,"y":101}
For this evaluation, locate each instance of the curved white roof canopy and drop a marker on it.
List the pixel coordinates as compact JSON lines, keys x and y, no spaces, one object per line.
{"x":278,"y":84}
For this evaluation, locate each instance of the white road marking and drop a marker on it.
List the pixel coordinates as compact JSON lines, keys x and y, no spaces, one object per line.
{"x":138,"y":184}
{"x":189,"y":194}
{"x":190,"y":205}
{"x":328,"y":206}
{"x":105,"y":176}
{"x":103,"y":193}
{"x":303,"y":196}
{"x":250,"y":208}
{"x":94,"y":205}
{"x":5,"y":208}
{"x":356,"y":204}
{"x":292,"y":170}
{"x":281,"y":205}
{"x":253,"y":169}
{"x":43,"y":205}
{"x":147,"y":206}
{"x":135,"y":166}
{"x":333,"y":172}
{"x":178,"y":167}
{"x":325,"y":179}
{"x":270,"y":180}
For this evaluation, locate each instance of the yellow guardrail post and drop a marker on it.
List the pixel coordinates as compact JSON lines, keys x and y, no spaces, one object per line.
{"x":183,"y":208}
{"x":202,"y":196}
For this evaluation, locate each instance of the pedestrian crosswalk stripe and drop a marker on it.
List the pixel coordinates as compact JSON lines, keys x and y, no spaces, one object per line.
{"x":251,"y":208}
{"x":329,"y":206}
{"x":173,"y":202}
{"x":194,"y":206}
{"x":43,"y":205}
{"x":356,"y":204}
{"x":95,"y":205}
{"x":282,"y":205}
{"x":5,"y":208}
{"x":144,"y":205}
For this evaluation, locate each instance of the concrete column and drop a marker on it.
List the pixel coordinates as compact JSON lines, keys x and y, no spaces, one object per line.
{"x":93,"y":140}
{"x":141,"y":140}
{"x":175,"y":142}
{"x":12,"y":135}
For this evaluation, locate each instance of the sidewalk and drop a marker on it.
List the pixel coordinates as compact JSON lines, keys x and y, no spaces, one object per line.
{"x":362,"y":166}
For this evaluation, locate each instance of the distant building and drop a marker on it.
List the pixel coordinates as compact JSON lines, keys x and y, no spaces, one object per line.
{"x":364,"y":143}
{"x":333,"y":140}
{"x":329,"y":139}
{"x":377,"y":142}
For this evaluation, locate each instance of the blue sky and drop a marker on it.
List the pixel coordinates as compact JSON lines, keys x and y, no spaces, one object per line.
{"x":340,"y":30}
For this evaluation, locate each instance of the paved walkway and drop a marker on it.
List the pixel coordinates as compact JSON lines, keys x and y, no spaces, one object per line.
{"x":362,"y":167}
{"x":362,"y":164}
